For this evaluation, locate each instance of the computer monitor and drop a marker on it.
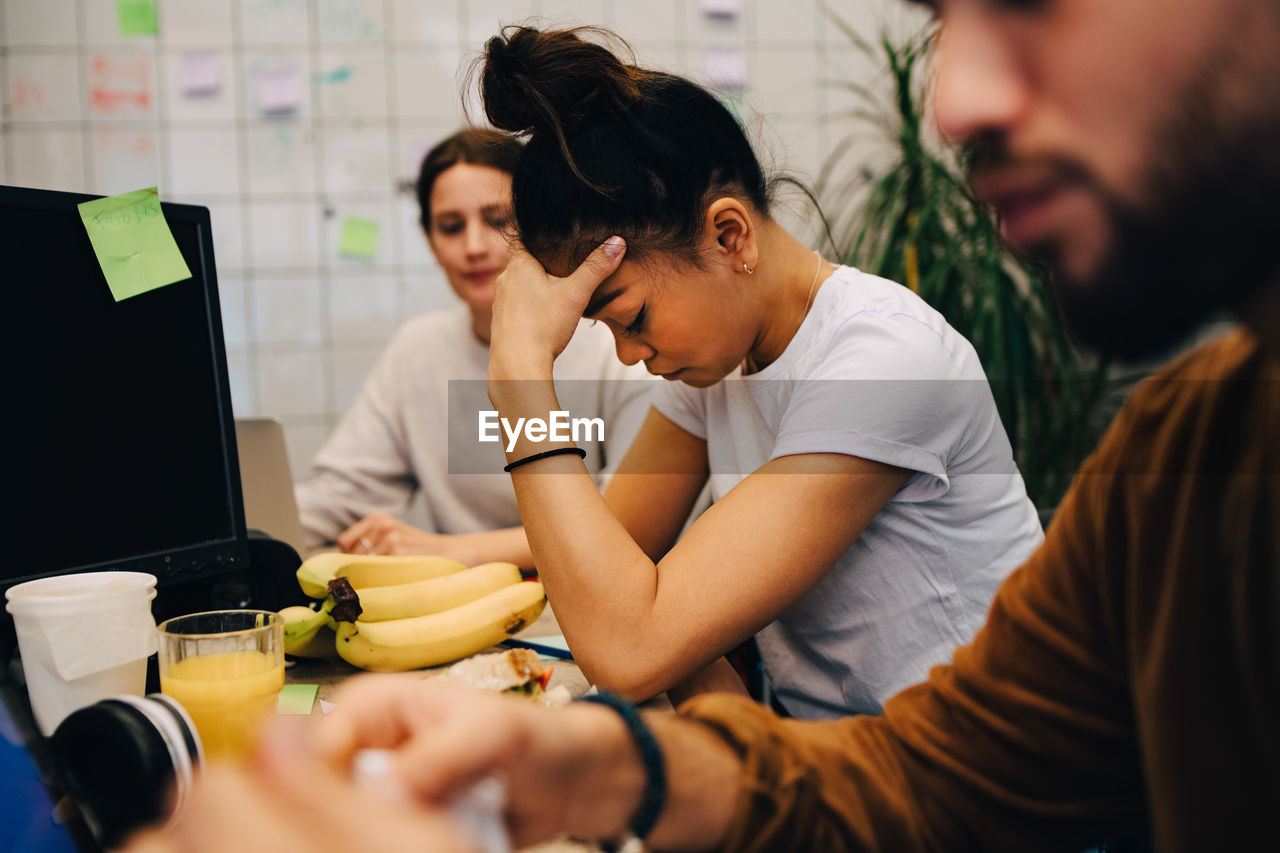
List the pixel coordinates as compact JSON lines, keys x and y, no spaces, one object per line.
{"x":121,"y":441}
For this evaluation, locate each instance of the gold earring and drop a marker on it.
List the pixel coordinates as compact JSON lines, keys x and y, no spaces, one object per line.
{"x":748,"y":270}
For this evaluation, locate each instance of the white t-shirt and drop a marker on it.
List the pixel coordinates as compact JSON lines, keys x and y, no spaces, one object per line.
{"x":875,"y":372}
{"x":412,"y":430}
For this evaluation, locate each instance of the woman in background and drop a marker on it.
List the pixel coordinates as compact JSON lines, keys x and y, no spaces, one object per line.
{"x":867,"y":504}
{"x":395,"y":441}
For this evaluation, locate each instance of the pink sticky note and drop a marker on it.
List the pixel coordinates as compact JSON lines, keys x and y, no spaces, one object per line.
{"x":420,"y":151}
{"x":279,"y":91}
{"x":201,"y":72}
{"x":726,"y":69}
{"x":721,"y":8}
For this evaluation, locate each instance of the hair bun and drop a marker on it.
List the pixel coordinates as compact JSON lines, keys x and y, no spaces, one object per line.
{"x":549,"y":81}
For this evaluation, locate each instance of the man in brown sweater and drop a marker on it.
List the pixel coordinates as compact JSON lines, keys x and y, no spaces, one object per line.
{"x":1128,"y":676}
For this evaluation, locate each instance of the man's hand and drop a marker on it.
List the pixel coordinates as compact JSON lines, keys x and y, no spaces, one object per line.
{"x":289,"y":801}
{"x":571,"y":770}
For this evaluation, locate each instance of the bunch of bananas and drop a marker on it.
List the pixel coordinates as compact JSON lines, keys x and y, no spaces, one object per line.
{"x":370,"y":570}
{"x":396,"y":613}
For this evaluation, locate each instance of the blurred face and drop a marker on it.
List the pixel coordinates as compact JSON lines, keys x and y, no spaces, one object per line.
{"x":687,"y":324}
{"x":1134,"y":145}
{"x":469,"y":206}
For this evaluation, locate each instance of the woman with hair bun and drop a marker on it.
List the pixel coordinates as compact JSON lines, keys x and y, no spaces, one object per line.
{"x":392,"y":446}
{"x":867,"y":504}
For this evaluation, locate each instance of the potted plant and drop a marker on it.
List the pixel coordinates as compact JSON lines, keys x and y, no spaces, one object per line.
{"x":916,"y":222}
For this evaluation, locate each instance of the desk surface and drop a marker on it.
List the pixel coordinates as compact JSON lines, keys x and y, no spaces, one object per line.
{"x":329,"y":674}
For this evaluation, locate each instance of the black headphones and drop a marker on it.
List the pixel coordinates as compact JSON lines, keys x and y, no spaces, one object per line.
{"x":127,"y":762}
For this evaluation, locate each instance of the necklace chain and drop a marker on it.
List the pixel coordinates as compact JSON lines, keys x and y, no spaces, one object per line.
{"x":748,"y":363}
{"x":809,"y":299}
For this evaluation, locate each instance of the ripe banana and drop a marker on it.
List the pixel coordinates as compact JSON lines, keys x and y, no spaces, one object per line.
{"x":308,"y":633}
{"x":444,"y":637}
{"x":394,"y":570}
{"x":323,"y":645}
{"x":370,"y":570}
{"x":383,"y":603}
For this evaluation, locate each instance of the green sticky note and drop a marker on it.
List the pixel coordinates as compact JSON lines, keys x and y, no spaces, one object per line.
{"x":734,"y":104}
{"x":134,"y":245}
{"x":359,"y":238}
{"x":296,"y":698}
{"x":136,"y":17}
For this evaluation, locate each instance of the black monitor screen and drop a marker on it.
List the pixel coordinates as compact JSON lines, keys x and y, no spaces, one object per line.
{"x":122,"y":439}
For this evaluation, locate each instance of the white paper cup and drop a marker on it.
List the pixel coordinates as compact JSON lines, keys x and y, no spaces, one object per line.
{"x":82,"y":638}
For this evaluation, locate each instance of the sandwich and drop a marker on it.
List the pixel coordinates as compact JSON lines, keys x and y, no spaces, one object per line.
{"x":515,"y":671}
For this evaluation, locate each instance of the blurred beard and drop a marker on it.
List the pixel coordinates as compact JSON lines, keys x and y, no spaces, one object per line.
{"x":1202,"y":240}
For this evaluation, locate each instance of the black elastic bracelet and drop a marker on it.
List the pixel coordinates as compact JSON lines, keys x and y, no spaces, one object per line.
{"x":555,"y":451}
{"x":655,"y":771}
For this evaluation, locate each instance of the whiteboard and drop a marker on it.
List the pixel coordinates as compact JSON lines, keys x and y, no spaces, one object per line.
{"x":285,"y":117}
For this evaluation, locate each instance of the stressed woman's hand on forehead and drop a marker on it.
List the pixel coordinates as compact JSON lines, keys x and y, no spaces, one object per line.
{"x":536,"y":313}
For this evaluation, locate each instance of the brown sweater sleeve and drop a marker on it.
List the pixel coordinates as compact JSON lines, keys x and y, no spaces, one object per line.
{"x":1024,"y":742}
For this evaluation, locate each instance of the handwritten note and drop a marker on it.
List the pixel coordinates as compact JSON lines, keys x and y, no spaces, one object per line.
{"x":279,"y":91}
{"x":136,"y":17}
{"x":121,"y":86}
{"x":132,"y":240}
{"x":359,"y":238}
{"x":201,"y":72}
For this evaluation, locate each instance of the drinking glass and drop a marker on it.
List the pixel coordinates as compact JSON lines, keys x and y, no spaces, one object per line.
{"x":226,"y":667}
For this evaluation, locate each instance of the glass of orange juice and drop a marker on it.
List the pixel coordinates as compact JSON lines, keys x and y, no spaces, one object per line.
{"x":226,"y":667}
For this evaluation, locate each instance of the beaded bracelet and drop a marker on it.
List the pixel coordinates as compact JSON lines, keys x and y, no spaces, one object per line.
{"x":555,"y":451}
{"x":655,"y":771}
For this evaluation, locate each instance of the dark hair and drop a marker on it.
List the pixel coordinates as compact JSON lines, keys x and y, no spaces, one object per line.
{"x":613,"y":149}
{"x":475,"y":145}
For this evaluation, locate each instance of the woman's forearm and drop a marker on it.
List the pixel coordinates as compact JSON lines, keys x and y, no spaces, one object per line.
{"x":505,"y":545}
{"x":598,"y":579}
{"x":718,"y":677}
{"x":641,"y":627}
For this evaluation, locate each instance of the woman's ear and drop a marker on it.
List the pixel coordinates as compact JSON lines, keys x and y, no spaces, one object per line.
{"x":730,"y":223}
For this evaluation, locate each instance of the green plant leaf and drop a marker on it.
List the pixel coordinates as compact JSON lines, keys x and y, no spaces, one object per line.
{"x":1053,"y":401}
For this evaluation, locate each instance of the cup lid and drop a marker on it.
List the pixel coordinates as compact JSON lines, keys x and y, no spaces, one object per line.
{"x":74,"y":589}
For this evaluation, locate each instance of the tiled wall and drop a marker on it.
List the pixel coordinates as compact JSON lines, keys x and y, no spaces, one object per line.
{"x":84,"y":108}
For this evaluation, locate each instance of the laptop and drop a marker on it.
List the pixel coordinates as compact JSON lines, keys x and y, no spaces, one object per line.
{"x":267,"y":481}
